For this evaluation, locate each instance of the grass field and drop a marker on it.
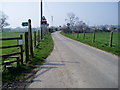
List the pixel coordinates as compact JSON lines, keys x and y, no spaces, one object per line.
{"x":10,"y":42}
{"x":101,"y":41}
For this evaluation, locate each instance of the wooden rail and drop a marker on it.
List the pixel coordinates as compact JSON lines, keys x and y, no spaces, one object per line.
{"x":11,"y":55}
{"x":10,"y":46}
{"x":11,"y":38}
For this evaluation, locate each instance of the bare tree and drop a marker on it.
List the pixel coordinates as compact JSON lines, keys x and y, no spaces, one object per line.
{"x":80,"y":25}
{"x":3,"y":21}
{"x":72,"y":19}
{"x":75,"y":23}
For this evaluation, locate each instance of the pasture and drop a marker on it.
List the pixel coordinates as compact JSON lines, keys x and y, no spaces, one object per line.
{"x":101,"y":40}
{"x":9,"y":42}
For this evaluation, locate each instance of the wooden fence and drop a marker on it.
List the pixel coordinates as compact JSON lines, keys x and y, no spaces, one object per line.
{"x":94,"y":37}
{"x":36,"y":42}
{"x":18,"y":58}
{"x":19,"y":55}
{"x":28,"y":46}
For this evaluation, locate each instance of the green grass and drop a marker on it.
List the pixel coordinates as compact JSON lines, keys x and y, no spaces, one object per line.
{"x":12,"y":42}
{"x":9,"y":42}
{"x":15,"y":73}
{"x":44,"y":49}
{"x":101,"y":42}
{"x":40,"y":54}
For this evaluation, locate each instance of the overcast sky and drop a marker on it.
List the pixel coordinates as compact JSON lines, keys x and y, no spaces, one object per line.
{"x":93,"y":13}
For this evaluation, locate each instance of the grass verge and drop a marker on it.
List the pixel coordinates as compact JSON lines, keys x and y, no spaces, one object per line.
{"x":101,"y":42}
{"x":41,"y":52}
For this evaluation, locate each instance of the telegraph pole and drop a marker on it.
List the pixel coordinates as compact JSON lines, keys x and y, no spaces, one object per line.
{"x":52,"y":21}
{"x":41,"y":20}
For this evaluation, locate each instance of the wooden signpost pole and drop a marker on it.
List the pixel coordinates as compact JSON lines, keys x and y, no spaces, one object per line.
{"x":30,"y":37}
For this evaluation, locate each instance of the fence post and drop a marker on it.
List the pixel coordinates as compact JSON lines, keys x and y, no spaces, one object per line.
{"x":111,"y":37}
{"x":30,"y":37}
{"x":43,"y":30}
{"x":41,"y":33}
{"x":72,"y":34}
{"x":34,"y":38}
{"x":77,"y":35}
{"x":47,"y":30}
{"x":93,"y":36}
{"x":38,"y":35}
{"x":26,"y":47}
{"x":18,"y":62}
{"x":21,"y":50}
{"x":84,"y":34}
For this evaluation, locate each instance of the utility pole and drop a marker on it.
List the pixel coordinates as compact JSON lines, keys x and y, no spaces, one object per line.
{"x":52,"y":21}
{"x":41,"y":21}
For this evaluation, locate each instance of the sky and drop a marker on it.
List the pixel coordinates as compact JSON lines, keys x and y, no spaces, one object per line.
{"x":92,"y":13}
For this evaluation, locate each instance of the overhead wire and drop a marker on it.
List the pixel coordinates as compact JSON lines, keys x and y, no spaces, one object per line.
{"x":48,"y":8}
{"x":51,"y":16}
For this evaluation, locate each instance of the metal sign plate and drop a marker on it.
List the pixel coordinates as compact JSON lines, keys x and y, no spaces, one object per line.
{"x":20,"y":42}
{"x":24,"y":23}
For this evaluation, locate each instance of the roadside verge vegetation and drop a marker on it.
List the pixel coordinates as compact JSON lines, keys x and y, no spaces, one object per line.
{"x":101,"y":41}
{"x":41,"y":52}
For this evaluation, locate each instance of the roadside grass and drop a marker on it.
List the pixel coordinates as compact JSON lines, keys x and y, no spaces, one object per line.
{"x":41,"y":52}
{"x":101,"y":41}
{"x":15,"y":73}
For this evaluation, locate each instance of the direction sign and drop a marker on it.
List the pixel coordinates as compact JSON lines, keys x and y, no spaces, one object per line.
{"x":24,"y":23}
{"x":44,"y":21}
{"x":43,"y":18}
{"x":68,"y":24}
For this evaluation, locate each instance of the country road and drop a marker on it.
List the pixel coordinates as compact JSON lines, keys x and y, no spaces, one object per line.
{"x":75,"y":65}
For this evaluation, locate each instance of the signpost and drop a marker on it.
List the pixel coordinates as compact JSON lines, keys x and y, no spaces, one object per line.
{"x":68,"y":24}
{"x":44,"y":21}
{"x":44,"y":26}
{"x":29,"y":35}
{"x":24,"y":23}
{"x":20,"y":42}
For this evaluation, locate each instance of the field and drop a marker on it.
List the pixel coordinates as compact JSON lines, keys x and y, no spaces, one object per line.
{"x":9,"y":42}
{"x":12,"y":42}
{"x":101,"y":41}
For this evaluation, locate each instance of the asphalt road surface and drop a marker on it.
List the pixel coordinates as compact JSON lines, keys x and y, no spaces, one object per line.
{"x":75,"y":65}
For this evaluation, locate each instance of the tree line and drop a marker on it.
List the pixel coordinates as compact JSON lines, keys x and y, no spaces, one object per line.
{"x":75,"y":25}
